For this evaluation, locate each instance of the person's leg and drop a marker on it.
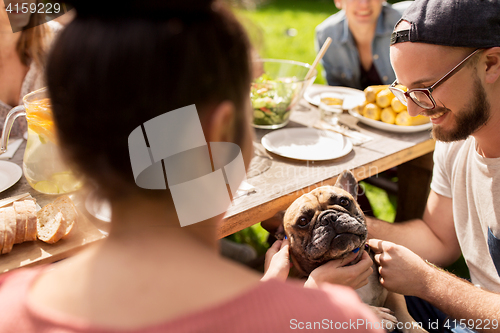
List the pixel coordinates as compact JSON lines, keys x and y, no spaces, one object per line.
{"x":431,"y":318}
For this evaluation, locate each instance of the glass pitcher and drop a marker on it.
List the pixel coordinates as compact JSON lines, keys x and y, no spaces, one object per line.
{"x":43,"y":166}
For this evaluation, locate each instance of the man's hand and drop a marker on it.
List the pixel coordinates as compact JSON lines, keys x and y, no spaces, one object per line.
{"x":401,"y":270}
{"x":277,"y":264}
{"x":335,"y":271}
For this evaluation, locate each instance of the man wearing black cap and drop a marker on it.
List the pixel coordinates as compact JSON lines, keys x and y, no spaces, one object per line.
{"x":447,"y":52}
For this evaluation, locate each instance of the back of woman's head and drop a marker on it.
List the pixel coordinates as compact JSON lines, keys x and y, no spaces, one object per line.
{"x":110,"y":71}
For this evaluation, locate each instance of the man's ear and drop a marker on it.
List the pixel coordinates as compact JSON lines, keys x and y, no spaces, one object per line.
{"x":219,"y":123}
{"x":347,"y":182}
{"x":492,"y":72}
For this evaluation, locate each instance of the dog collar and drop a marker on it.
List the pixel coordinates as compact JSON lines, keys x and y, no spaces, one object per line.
{"x":360,"y":254}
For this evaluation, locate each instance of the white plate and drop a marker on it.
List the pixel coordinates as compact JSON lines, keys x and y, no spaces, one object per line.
{"x":390,"y":127}
{"x":308,"y":144}
{"x":352,"y":97}
{"x":10,"y":173}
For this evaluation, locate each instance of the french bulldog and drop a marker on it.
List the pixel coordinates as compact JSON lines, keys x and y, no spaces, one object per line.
{"x":326,"y":224}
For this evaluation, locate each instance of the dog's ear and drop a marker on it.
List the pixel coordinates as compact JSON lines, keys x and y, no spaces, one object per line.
{"x":347,"y":182}
{"x":280,"y":233}
{"x":274,"y":225}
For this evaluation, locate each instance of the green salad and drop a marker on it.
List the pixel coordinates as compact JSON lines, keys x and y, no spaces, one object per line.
{"x":272,"y":99}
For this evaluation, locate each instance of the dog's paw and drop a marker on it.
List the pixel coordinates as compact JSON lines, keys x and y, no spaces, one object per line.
{"x":386,"y":316}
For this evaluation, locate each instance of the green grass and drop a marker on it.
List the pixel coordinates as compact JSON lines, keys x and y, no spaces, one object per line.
{"x":268,"y":24}
{"x":383,"y":204}
{"x":256,"y":236}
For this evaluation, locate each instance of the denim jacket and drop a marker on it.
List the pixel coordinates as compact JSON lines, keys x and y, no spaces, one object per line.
{"x":341,"y":61}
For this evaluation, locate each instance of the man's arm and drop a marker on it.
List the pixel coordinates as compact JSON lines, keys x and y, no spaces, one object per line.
{"x":433,"y":237}
{"x":404,"y":272}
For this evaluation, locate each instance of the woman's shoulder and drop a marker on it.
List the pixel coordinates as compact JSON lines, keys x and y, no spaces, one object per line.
{"x":14,"y":288}
{"x":333,"y":26}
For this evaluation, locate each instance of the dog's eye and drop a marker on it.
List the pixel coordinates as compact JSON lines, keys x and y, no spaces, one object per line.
{"x":344,"y":202}
{"x":302,"y":221}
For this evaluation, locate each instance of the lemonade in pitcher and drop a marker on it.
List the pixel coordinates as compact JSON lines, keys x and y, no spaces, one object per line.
{"x":43,"y":166}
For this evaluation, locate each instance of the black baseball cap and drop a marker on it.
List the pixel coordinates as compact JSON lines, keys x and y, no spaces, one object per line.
{"x":462,"y":23}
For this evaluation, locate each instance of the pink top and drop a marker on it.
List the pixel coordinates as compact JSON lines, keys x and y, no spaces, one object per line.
{"x":272,"y":306}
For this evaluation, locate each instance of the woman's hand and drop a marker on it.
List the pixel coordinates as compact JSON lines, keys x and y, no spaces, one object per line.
{"x":335,"y":271}
{"x":277,"y":264}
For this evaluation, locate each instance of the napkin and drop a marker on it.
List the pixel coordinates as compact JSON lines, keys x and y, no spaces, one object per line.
{"x":11,"y":149}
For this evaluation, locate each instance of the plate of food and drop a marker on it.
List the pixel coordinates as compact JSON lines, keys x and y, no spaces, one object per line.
{"x":352,"y":97}
{"x":307,"y":144}
{"x":382,"y":110}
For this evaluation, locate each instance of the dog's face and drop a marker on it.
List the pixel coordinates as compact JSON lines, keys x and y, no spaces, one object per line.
{"x":324,"y":224}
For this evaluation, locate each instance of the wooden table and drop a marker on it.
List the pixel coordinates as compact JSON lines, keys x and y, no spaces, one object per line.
{"x":284,"y":180}
{"x":287,"y":179}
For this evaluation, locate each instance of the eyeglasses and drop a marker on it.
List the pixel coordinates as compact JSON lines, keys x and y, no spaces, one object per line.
{"x":423,"y":96}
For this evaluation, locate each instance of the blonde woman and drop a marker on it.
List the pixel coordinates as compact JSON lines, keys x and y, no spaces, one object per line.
{"x":22,"y":57}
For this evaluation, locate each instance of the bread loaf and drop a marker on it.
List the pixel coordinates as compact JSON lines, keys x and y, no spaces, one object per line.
{"x":56,"y":220}
{"x":65,"y":205}
{"x":10,"y":229}
{"x":51,"y":225}
{"x":20,"y":208}
{"x":31,"y":227}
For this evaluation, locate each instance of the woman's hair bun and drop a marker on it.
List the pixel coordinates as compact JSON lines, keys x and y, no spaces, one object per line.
{"x":140,"y":8}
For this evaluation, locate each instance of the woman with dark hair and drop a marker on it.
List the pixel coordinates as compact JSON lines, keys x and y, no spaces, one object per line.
{"x":112,"y":69}
{"x":22,"y":56}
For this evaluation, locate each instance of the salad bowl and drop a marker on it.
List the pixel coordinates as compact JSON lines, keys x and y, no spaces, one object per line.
{"x":276,"y":91}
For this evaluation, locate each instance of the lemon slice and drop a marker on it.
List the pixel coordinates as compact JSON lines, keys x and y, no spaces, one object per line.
{"x":66,"y":181}
{"x":47,"y":187}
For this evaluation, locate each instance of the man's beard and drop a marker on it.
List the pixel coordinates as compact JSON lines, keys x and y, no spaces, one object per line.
{"x":468,"y":120}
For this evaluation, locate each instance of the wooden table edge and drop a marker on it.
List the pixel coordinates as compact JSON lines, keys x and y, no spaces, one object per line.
{"x":262,"y":212}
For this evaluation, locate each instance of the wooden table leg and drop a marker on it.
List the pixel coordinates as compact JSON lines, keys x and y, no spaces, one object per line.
{"x":414,"y":179}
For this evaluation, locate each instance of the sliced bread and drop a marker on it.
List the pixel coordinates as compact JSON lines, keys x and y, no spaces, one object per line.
{"x":10,"y":229}
{"x":51,"y":225}
{"x":20,"y":208}
{"x":70,"y":214}
{"x":31,"y":227}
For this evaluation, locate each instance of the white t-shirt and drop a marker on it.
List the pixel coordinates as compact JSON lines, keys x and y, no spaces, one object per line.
{"x":473,"y":182}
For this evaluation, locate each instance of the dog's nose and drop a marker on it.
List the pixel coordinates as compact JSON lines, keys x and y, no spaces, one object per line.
{"x":328,"y":217}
